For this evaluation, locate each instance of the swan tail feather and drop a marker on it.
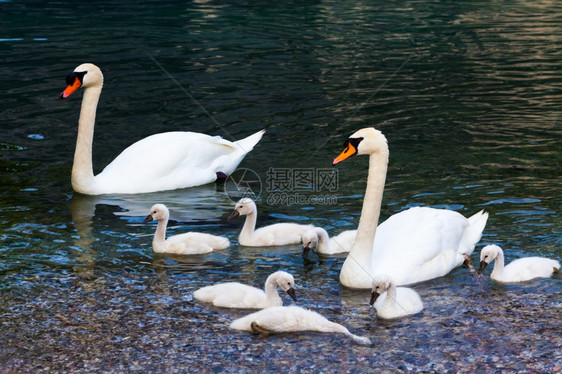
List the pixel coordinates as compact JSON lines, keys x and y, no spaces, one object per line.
{"x":473,"y":233}
{"x":248,"y":143}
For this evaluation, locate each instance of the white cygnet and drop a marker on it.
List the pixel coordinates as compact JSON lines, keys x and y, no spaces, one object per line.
{"x":281,"y":319}
{"x":519,"y":270}
{"x":276,"y":234}
{"x":183,"y":244}
{"x":393,"y":302}
{"x":318,"y":239}
{"x":238,"y":295}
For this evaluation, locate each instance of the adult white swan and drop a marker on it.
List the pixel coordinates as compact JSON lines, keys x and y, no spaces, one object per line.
{"x":189,"y":243}
{"x":164,"y":161}
{"x":280,"y":319}
{"x":414,"y":245}
{"x":520,"y":270}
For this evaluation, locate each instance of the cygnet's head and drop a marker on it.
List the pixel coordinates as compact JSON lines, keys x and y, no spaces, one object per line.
{"x":381,"y":284}
{"x":243,"y":207}
{"x":488,"y":254}
{"x":85,"y":75}
{"x":366,"y":141}
{"x":286,"y":282}
{"x":158,"y":212}
{"x":309,"y":241}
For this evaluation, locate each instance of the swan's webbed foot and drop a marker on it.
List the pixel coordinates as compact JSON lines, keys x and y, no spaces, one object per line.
{"x":468,"y":263}
{"x":257,"y":329}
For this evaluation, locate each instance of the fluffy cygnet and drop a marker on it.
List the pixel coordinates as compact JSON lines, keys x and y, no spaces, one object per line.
{"x":317,"y":238}
{"x":393,"y":302}
{"x":280,"y":319}
{"x":519,"y":270}
{"x":183,"y":244}
{"x":276,"y":234}
{"x":238,"y":295}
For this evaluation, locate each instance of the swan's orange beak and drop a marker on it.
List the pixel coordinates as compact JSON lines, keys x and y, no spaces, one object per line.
{"x":71,"y":88}
{"x":349,"y":151}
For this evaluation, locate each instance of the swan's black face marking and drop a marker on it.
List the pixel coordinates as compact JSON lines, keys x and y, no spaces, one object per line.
{"x":70,"y":78}
{"x":353,"y":142}
{"x":351,"y":146}
{"x":74,"y":81}
{"x":374,"y":296}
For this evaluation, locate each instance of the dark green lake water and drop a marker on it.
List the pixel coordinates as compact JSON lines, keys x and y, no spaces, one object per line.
{"x":469,"y":95}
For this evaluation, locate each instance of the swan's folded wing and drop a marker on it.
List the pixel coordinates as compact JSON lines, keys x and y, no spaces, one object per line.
{"x":417,"y":244}
{"x":169,"y":160}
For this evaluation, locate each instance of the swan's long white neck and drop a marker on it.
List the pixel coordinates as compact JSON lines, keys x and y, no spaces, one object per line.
{"x":355,"y":269}
{"x":390,"y":295}
{"x":271,"y":290}
{"x":82,"y":168}
{"x":249,"y":226}
{"x":498,"y":263}
{"x":159,"y":241}
{"x":324,"y":244}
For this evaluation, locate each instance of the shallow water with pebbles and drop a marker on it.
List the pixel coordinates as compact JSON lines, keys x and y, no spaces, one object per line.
{"x":466,"y":93}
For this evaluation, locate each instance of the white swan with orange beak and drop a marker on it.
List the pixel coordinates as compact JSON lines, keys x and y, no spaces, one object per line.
{"x":164,"y":161}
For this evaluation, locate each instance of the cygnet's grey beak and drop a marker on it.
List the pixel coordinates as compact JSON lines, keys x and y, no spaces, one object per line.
{"x":232,"y":215}
{"x":482,"y":266}
{"x":291,"y":292}
{"x":148,"y":219}
{"x":374,"y":296}
{"x":305,"y":251}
